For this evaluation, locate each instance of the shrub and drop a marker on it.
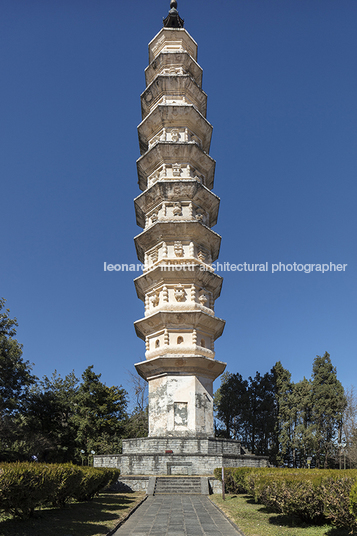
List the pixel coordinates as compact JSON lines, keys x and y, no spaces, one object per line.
{"x":336,"y":492}
{"x":234,"y":478}
{"x":26,"y":486}
{"x":67,"y":478}
{"x":23,"y":487}
{"x":312,"y":495}
{"x":240,"y":475}
{"x":294,"y":497}
{"x":229,"y":484}
{"x":94,"y":480}
{"x":353,"y":501}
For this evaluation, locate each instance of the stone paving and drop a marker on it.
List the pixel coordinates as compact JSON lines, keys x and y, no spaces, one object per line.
{"x":177,"y":515}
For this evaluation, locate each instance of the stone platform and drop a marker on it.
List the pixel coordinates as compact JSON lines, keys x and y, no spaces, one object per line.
{"x":176,"y":456}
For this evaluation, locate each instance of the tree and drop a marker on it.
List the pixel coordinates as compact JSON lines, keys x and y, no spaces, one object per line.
{"x":230,"y":402}
{"x":303,"y":430}
{"x":138,"y":422}
{"x":49,"y":418}
{"x":15,"y":380}
{"x":100,"y":415}
{"x":283,"y":393}
{"x":328,"y":405}
{"x":246,"y":409}
{"x":260,"y":414}
{"x":15,"y":373}
{"x":349,"y":426}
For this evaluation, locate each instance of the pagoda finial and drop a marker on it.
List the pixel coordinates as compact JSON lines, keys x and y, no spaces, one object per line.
{"x":173,"y":19}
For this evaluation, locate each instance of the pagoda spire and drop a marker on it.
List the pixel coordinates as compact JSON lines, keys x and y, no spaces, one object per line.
{"x":173,"y":19}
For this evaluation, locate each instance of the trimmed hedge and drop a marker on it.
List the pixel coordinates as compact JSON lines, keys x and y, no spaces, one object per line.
{"x":26,"y":486}
{"x":93,"y":480}
{"x":23,"y":487}
{"x":337,"y":500}
{"x":353,"y":500}
{"x":315,"y":495}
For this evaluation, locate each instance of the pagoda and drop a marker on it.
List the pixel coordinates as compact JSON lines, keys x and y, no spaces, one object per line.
{"x":178,"y":286}
{"x":177,"y":211}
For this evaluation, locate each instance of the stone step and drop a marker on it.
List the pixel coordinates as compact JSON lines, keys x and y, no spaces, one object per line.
{"x":181,"y":485}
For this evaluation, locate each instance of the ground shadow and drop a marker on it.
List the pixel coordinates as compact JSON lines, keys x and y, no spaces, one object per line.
{"x":295,"y":522}
{"x":292,"y":521}
{"x":89,"y":518}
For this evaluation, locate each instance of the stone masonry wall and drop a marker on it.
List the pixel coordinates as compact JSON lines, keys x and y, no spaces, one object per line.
{"x":158,"y":445}
{"x":189,"y":464}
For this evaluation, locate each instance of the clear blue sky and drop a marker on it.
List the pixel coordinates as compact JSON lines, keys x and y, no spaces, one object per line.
{"x":281,"y":80}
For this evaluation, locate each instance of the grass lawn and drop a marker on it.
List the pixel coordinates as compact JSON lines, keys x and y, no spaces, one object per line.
{"x":92,"y":518}
{"x":255,"y":520}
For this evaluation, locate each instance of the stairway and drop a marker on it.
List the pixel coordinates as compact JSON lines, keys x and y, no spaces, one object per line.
{"x":182,"y":485}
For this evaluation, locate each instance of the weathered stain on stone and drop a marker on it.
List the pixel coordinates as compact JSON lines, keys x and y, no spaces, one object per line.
{"x":180,"y":413}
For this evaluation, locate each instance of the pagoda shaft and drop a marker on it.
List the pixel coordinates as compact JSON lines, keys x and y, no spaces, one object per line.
{"x":177,"y":245}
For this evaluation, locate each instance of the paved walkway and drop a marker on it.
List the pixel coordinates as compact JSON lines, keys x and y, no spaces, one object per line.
{"x":177,"y":515}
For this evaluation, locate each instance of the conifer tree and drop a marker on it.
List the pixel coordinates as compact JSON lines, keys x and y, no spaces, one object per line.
{"x":283,"y":395}
{"x":302,"y":401}
{"x":50,"y":408}
{"x":15,"y":373}
{"x":100,"y":415}
{"x":328,"y":404}
{"x":231,"y":404}
{"x":15,"y":381}
{"x":260,"y":417}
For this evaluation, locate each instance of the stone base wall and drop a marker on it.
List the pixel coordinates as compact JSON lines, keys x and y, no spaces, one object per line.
{"x":129,"y":484}
{"x":178,"y":456}
{"x":178,"y":445}
{"x":183,"y":464}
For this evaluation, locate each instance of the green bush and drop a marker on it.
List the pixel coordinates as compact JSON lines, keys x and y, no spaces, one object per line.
{"x":67,"y":479}
{"x":353,"y":501}
{"x":26,"y":486}
{"x":292,"y":496}
{"x":229,"y":484}
{"x":336,"y":492}
{"x":312,"y":495}
{"x":234,"y":478}
{"x":23,"y":487}
{"x":240,"y":475}
{"x":94,"y":480}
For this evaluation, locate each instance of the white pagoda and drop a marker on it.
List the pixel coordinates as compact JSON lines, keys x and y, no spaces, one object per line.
{"x":177,"y":211}
{"x":177,"y":246}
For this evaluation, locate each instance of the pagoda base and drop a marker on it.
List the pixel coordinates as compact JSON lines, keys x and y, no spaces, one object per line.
{"x":178,"y":456}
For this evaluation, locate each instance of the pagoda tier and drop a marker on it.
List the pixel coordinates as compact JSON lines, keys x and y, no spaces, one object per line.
{"x":155,"y":202}
{"x":174,"y":63}
{"x":164,"y":159}
{"x":175,"y":123}
{"x":150,"y":283}
{"x":167,"y":237}
{"x":177,"y":245}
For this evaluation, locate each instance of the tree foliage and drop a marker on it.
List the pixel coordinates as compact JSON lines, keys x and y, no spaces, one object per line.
{"x":349,"y":428}
{"x":328,"y":405}
{"x":289,"y":422}
{"x":15,"y":373}
{"x":50,"y":409}
{"x":100,"y":413}
{"x":15,"y":382}
{"x":60,"y":419}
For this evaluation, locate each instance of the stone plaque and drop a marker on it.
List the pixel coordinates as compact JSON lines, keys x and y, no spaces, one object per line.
{"x":180,"y":414}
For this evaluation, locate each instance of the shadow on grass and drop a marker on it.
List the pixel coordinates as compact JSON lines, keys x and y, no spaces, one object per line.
{"x":292,"y":521}
{"x":295,"y":522}
{"x":334,"y":531}
{"x":90,"y":518}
